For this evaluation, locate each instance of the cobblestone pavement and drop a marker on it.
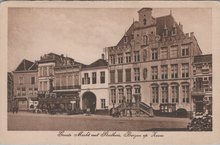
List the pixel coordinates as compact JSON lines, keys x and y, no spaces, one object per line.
{"x":30,"y":121}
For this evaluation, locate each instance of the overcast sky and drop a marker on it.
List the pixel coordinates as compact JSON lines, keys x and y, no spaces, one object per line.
{"x":83,"y":33}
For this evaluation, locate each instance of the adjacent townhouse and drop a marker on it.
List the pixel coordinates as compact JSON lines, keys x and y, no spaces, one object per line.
{"x":25,"y":85}
{"x":94,"y":87}
{"x":202,"y":83}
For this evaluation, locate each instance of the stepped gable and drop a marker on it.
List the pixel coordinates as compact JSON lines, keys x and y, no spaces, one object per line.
{"x":129,"y":34}
{"x":24,"y":65}
{"x":161,"y":22}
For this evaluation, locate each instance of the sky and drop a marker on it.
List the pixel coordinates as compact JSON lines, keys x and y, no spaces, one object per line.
{"x":82,"y":33}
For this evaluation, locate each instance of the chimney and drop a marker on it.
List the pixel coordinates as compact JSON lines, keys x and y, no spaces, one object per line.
{"x":181,"y":26}
{"x":103,"y":56}
{"x":191,"y":34}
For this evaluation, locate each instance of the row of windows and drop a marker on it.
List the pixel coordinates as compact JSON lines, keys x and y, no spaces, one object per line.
{"x":26,"y":91}
{"x":86,"y":78}
{"x":156,"y":93}
{"x":163,"y":94}
{"x":122,"y":96}
{"x":154,"y":73}
{"x":164,"y":54}
{"x":21,"y":80}
{"x":46,"y":71}
{"x":67,"y":80}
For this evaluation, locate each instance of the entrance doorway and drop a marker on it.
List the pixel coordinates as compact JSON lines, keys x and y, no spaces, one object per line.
{"x":89,"y":101}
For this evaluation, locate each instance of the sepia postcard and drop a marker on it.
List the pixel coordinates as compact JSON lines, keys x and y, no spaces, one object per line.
{"x":109,"y":72}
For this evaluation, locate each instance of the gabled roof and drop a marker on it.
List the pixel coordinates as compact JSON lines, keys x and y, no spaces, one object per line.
{"x":167,"y":20}
{"x":24,"y":65}
{"x":97,"y":63}
{"x":34,"y":66}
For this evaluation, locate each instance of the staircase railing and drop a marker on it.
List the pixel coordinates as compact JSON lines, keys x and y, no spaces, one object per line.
{"x":146,"y":108}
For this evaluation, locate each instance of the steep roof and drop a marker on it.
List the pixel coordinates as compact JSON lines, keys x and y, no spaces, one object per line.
{"x":24,"y":65}
{"x":34,"y":66}
{"x":97,"y":63}
{"x":169,"y":22}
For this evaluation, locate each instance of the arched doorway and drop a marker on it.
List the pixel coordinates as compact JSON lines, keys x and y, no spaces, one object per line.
{"x":89,"y":101}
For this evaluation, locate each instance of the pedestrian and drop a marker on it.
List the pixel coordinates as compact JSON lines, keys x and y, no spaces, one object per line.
{"x":16,"y":110}
{"x":130,"y":112}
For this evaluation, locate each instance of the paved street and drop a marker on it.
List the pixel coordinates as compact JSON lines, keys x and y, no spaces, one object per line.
{"x":30,"y":121}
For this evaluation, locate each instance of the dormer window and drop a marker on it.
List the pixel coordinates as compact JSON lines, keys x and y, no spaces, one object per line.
{"x":165,"y":32}
{"x":174,"y":30}
{"x":145,"y":21}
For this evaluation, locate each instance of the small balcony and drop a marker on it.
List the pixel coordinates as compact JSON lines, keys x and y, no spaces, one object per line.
{"x":67,"y":87}
{"x":198,"y":92}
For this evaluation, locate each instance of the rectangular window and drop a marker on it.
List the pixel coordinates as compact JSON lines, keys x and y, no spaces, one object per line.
{"x":129,"y":95}
{"x":164,"y":72}
{"x":102,"y":77}
{"x":145,"y":73}
{"x":45,"y":86}
{"x":175,"y":94}
{"x":154,"y":72}
{"x":128,"y":75}
{"x":185,"y":90}
{"x":112,"y":76}
{"x":120,"y":76}
{"x":185,"y":50}
{"x":136,"y":56}
{"x":70,"y":80}
{"x":50,"y":70}
{"x":164,"y":94}
{"x":21,"y":80}
{"x":136,"y":74}
{"x":154,"y":54}
{"x":164,"y":53}
{"x":185,"y":70}
{"x":103,"y":103}
{"x":174,"y":71}
{"x":174,"y":52}
{"x":44,"y":71}
{"x":120,"y":95}
{"x":112,"y":59}
{"x":128,"y":57}
{"x":76,"y":79}
{"x":93,"y":77}
{"x":145,"y":55}
{"x":86,"y":79}
{"x":32,"y":80}
{"x":120,"y":58}
{"x":113,"y":96}
{"x":155,"y":97}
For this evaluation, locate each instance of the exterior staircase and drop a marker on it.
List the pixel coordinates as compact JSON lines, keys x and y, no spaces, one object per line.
{"x":140,"y":109}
